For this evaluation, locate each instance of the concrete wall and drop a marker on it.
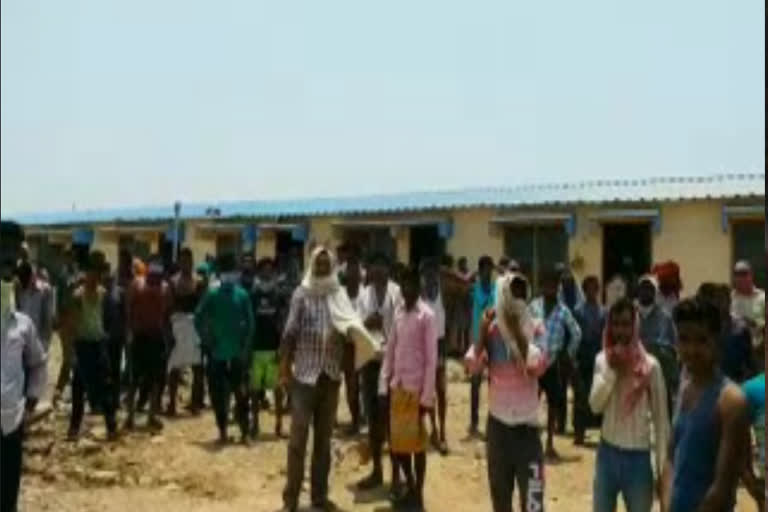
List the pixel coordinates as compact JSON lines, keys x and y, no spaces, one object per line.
{"x":473,"y":236}
{"x":106,"y":242}
{"x":692,"y":234}
{"x":266,"y":244}
{"x":199,"y":241}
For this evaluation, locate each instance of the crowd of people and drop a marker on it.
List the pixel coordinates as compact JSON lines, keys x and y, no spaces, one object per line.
{"x":671,"y":379}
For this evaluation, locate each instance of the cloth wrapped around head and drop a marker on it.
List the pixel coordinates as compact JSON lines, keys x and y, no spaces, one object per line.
{"x":631,"y":358}
{"x":343,"y":316}
{"x":507,"y":307}
{"x":668,"y":275}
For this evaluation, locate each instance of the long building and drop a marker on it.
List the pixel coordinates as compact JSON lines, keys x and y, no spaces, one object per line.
{"x":704,"y":223}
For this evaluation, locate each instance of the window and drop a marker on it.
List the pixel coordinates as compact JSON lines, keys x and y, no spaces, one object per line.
{"x":749,"y":244}
{"x":536,"y":249}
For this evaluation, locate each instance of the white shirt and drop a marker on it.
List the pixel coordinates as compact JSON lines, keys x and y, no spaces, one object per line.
{"x":439,"y":310}
{"x":370,"y":304}
{"x":21,"y":356}
{"x":631,"y":430}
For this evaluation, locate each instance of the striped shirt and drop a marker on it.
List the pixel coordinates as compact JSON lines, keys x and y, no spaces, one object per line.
{"x":309,"y":336}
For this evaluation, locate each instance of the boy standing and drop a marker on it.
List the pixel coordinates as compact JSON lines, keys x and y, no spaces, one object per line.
{"x":630,"y":393}
{"x":267,"y":304}
{"x":408,"y":374}
{"x":711,"y":432}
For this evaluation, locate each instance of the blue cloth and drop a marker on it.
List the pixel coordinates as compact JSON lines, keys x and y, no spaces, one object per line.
{"x":695,"y":443}
{"x":559,"y":322}
{"x":755,"y":392}
{"x":736,"y":360}
{"x":625,"y":472}
{"x":482,"y":299}
{"x":591,"y":318}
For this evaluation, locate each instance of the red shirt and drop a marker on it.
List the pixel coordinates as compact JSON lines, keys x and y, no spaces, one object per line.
{"x":148,"y":306}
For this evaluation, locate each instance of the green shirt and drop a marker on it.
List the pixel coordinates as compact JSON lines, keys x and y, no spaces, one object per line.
{"x":224,"y":319}
{"x":90,"y":315}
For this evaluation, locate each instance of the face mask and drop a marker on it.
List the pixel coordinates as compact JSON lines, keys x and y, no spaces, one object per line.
{"x":7,"y":298}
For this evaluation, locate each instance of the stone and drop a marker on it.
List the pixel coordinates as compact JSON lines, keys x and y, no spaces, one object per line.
{"x":103,"y":477}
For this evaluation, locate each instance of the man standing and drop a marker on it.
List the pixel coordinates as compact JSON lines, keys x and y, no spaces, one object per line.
{"x":91,"y":376}
{"x":483,"y":298}
{"x":748,"y":303}
{"x":148,"y":307}
{"x":710,"y":439}
{"x":511,"y":344}
{"x":628,"y":390}
{"x":432,"y":295}
{"x":35,"y":300}
{"x":115,"y":319}
{"x":559,"y":323}
{"x":313,"y":348}
{"x":224,"y":320}
{"x":22,"y":369}
{"x":380,"y":301}
{"x":268,"y":305}
{"x":408,"y":376}
{"x":65,"y":286}
{"x":591,"y":317}
{"x":187,"y":289}
{"x":353,"y":286}
{"x":670,"y":285}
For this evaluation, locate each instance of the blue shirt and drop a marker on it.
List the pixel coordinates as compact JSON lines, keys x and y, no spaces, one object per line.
{"x":755,"y":391}
{"x":482,"y":299}
{"x":559,"y":321}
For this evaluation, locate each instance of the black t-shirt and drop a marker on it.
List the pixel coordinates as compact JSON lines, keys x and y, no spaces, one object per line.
{"x":268,"y":303}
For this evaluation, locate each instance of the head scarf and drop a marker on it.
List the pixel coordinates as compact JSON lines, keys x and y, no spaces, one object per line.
{"x":320,"y":285}
{"x":633,"y":358}
{"x":645,"y":310}
{"x":343,"y":316}
{"x":506,"y":305}
{"x":616,"y":289}
{"x":668,"y":274}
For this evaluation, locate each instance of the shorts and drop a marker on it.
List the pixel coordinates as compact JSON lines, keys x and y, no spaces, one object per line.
{"x":264,"y":370}
{"x":442,"y":353}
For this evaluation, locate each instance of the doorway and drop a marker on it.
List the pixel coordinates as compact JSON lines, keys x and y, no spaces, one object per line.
{"x":426,"y":243}
{"x":288,"y":249}
{"x":626,"y":252}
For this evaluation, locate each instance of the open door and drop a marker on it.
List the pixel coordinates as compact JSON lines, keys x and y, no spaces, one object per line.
{"x":426,"y":243}
{"x":626,"y":252}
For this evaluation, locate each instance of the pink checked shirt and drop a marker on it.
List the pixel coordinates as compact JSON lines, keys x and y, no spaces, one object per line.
{"x":410,"y":360}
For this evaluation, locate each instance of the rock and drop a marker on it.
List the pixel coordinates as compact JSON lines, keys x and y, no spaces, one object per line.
{"x":88,"y":447}
{"x":103,"y":477}
{"x":144,"y":481}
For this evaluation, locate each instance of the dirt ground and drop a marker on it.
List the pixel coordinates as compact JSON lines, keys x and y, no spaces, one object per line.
{"x":181,"y":470}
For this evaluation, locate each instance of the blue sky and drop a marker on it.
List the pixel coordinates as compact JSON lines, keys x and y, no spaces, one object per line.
{"x":113,"y":103}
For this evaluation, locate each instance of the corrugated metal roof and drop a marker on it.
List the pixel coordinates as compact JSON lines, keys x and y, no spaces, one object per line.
{"x":599,"y":191}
